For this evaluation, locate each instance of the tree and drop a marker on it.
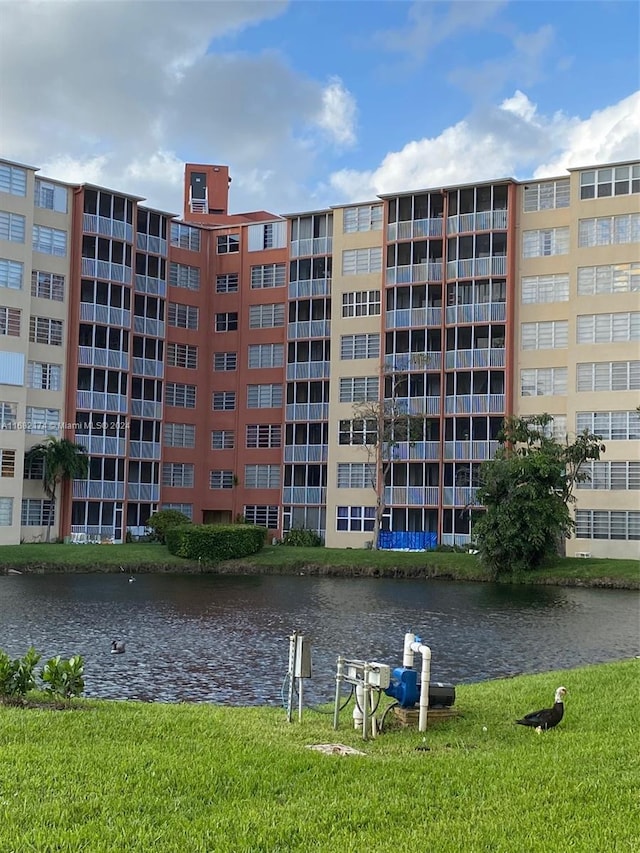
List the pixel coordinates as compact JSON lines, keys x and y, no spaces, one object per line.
{"x":61,"y":461}
{"x":387,"y":424}
{"x":527,"y":490}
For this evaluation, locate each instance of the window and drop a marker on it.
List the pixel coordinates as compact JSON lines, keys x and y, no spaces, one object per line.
{"x":227,"y":322}
{"x":609,"y":328}
{"x":223,"y":439}
{"x":223,"y":401}
{"x":610,"y":426}
{"x":614,"y":476}
{"x":228,"y":243}
{"x":545,"y":288}
{"x":262,"y":476}
{"x":609,"y":278}
{"x":47,"y":377}
{"x":359,"y":389}
{"x":361,"y":261}
{"x":367,"y":217}
{"x":182,"y":275}
{"x":185,"y":237}
{"x":268,"y":275}
{"x":550,"y":241}
{"x":182,"y":316}
{"x":179,"y":435}
{"x":47,"y":285}
{"x":185,"y":509}
{"x":13,"y":180}
{"x":601,"y":183}
{"x":557,"y":428}
{"x":266,"y":355}
{"x":221,"y":480}
{"x":553,"y":334}
{"x":264,"y":396}
{"x":360,"y":346}
{"x":262,"y":516}
{"x":40,"y":421}
{"x":8,"y":412}
{"x":609,"y":230}
{"x":608,"y":376}
{"x":546,"y":195}
{"x":180,"y":396}
{"x":267,"y":235}
{"x":355,"y":518}
{"x":50,"y":196}
{"x":37,"y":513}
{"x":7,"y":463}
{"x":6,"y":512}
{"x":182,"y":355}
{"x":42,"y":330}
{"x":227,"y":283}
{"x":11,"y":273}
{"x":10,"y":322}
{"x":358,"y":431}
{"x":179,"y":474}
{"x":34,"y":469}
{"x":264,"y":435}
{"x":12,"y":227}
{"x":543,"y":381}
{"x":266,"y":316}
{"x":49,"y":241}
{"x":607,"y":524}
{"x":356,"y":475}
{"x":361,"y":303}
{"x":225,"y":361}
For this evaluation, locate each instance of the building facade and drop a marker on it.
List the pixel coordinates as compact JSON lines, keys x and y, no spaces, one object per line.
{"x":224,"y":364}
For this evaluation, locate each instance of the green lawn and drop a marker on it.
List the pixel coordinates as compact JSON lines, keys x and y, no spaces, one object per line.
{"x":151,"y":557}
{"x":128,"y":776}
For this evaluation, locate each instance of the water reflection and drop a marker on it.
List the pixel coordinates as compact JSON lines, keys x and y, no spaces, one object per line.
{"x":225,"y":639}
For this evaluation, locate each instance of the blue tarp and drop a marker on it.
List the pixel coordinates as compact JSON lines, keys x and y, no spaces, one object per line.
{"x":390,"y":540}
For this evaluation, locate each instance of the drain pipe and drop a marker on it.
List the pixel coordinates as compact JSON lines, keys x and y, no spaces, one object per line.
{"x":413,"y":644}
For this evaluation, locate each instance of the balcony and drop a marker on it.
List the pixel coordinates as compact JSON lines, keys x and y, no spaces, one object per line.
{"x":97,"y":357}
{"x":311,"y":246}
{"x":147,"y":492}
{"x":309,"y":370}
{"x":416,"y":405}
{"x":410,"y":450}
{"x":309,"y":329}
{"x":151,"y":285}
{"x":411,"y":495}
{"x":101,"y":402}
{"x":483,"y":312}
{"x":305,"y":453}
{"x":412,"y":273}
{"x":459,"y":496}
{"x":460,"y":539}
{"x":470,"y":449}
{"x":105,"y":270}
{"x":464,"y":358}
{"x":414,"y":228}
{"x":146,"y":409}
{"x":477,"y":267}
{"x":148,"y":326}
{"x":409,"y":318}
{"x":109,"y":490}
{"x":307,"y":412}
{"x":148,"y":367}
{"x":485,"y":220}
{"x":465,"y":404}
{"x":102,"y":445}
{"x":145,"y":450}
{"x":149,"y":243}
{"x":107,"y":227}
{"x":419,"y":361}
{"x":304,"y":495}
{"x":105,"y":314}
{"x":309,"y":287}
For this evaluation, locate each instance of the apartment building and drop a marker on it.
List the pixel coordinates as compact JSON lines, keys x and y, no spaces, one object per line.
{"x":220,"y":363}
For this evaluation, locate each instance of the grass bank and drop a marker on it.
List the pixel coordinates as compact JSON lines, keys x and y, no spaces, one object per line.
{"x":145,"y":557}
{"x":115,"y":776}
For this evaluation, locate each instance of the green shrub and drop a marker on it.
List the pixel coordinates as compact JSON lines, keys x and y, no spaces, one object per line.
{"x":64,"y":677}
{"x":16,"y":676}
{"x":214,"y":543}
{"x":299,"y":537}
{"x":164,"y":520}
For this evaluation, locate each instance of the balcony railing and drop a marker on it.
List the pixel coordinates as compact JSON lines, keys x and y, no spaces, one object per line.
{"x":474,"y":267}
{"x":148,"y":326}
{"x":145,"y":450}
{"x":459,"y":496}
{"x":411,"y":495}
{"x":412,"y":273}
{"x":148,"y":492}
{"x":417,"y":405}
{"x":97,"y":357}
{"x":309,"y":370}
{"x":483,"y":312}
{"x":485,"y":220}
{"x":104,"y":445}
{"x":101,"y":402}
{"x":105,"y":314}
{"x":464,"y":404}
{"x":309,"y":329}
{"x":148,"y":367}
{"x":96,"y":532}
{"x":304,"y":495}
{"x":146,"y":409}
{"x":406,"y":450}
{"x":459,"y":539}
{"x":404,"y":361}
{"x":307,"y":412}
{"x":311,"y":246}
{"x":106,"y":270}
{"x":305,"y":453}
{"x":407,"y":318}
{"x":107,"y":227}
{"x":470,"y":449}
{"x":414,"y":228}
{"x":463,"y":358}
{"x":149,"y":243}
{"x":98,"y":489}
{"x":150,"y":284}
{"x":309,"y":287}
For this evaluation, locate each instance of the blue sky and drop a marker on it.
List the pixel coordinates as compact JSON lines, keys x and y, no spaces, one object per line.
{"x":315,"y":102}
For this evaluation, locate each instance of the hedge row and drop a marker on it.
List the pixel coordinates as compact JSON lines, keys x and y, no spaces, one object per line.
{"x":214,"y":543}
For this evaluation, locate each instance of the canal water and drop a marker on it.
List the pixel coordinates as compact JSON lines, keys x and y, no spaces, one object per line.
{"x":221,"y":639}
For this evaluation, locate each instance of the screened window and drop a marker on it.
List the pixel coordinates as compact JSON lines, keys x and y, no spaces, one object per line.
{"x":42,"y":330}
{"x":264,"y":396}
{"x":545,"y":242}
{"x":223,"y":361}
{"x":49,"y":241}
{"x":356,"y":475}
{"x":262,"y":516}
{"x":608,"y":376}
{"x":222,"y":439}
{"x":180,"y":396}
{"x":266,"y":355}
{"x":614,"y":476}
{"x":177,"y":474}
{"x":11,"y":273}
{"x":359,"y":389}
{"x":361,"y":261}
{"x":546,"y":195}
{"x":227,"y":283}
{"x":182,"y":355}
{"x":268,"y":275}
{"x":47,"y":285}
{"x":609,"y":328}
{"x":262,"y":476}
{"x":366,"y":217}
{"x":40,"y":421}
{"x":47,"y":377}
{"x":182,"y":316}
{"x":360,"y":346}
{"x":361,"y":303}
{"x":185,"y":237}
{"x":12,"y":227}
{"x":545,"y":288}
{"x":607,"y":524}
{"x":553,"y":334}
{"x":609,"y":230}
{"x":609,"y":278}
{"x":37,"y":513}
{"x":223,"y":401}
{"x":611,"y":426}
{"x":543,"y":381}
{"x":266,"y":316}
{"x":264,"y":435}
{"x":13,"y":180}
{"x":179,"y":435}
{"x":182,"y":275}
{"x":221,"y":479}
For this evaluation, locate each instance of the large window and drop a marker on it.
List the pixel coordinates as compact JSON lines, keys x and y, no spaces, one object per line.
{"x":179,"y":435}
{"x":10,"y":321}
{"x":182,"y":355}
{"x":268,"y":275}
{"x":266,"y":355}
{"x":545,"y":288}
{"x":37,"y":513}
{"x":262,"y":516}
{"x":361,"y":261}
{"x":11,"y":273}
{"x":225,"y":361}
{"x":609,"y":328}
{"x":182,"y":275}
{"x":47,"y":377}
{"x":227,"y":283}
{"x":178,"y":474}
{"x":550,"y":334}
{"x":42,"y":330}
{"x":610,"y":426}
{"x":50,"y":196}
{"x":360,"y":346}
{"x":185,"y":237}
{"x":356,"y":475}
{"x":262,"y":476}
{"x":264,"y":396}
{"x":546,"y":195}
{"x":12,"y":227}
{"x":41,"y":421}
{"x":607,"y":524}
{"x":543,"y":381}
{"x":617,"y":476}
{"x":359,"y":389}
{"x":355,"y":518}
{"x":266,"y":316}
{"x":366,"y":217}
{"x":221,"y":479}
{"x":361,"y":303}
{"x":609,"y":230}
{"x":358,"y":431}
{"x":223,"y":439}
{"x":180,"y":396}
{"x":601,"y":183}
{"x":223,"y":401}
{"x":545,"y":242}
{"x":13,"y":180}
{"x":182,"y":316}
{"x":609,"y":278}
{"x":49,"y":241}
{"x":47,"y":285}
{"x":608,"y":376}
{"x":264,"y":435}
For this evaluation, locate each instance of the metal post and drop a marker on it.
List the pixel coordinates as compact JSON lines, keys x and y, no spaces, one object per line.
{"x":336,"y":708}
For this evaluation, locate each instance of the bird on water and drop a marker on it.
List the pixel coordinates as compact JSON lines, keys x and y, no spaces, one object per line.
{"x":117,"y":647}
{"x":547,"y":718}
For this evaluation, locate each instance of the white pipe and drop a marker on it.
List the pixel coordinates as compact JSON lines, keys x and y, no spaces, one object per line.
{"x":358,"y":714}
{"x":425,"y":675}
{"x":407,"y":658}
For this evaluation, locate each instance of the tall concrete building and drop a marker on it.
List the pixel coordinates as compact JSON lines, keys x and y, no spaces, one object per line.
{"x":221,"y":363}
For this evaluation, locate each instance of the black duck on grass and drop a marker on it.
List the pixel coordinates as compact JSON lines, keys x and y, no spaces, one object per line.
{"x":547,"y":718}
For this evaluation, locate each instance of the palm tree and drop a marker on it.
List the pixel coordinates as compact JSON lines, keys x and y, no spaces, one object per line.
{"x":61,"y":460}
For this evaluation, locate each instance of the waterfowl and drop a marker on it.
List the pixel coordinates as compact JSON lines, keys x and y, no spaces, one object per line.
{"x":117,"y":647}
{"x":547,"y":718}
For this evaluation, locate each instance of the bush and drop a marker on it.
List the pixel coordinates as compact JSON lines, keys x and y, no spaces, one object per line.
{"x":164,"y":520}
{"x":299,"y":537}
{"x":214,"y":543}
{"x":16,"y":676}
{"x":64,"y":677}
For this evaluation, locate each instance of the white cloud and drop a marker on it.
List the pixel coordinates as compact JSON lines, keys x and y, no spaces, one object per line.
{"x":507,"y":141}
{"x":338,"y":115}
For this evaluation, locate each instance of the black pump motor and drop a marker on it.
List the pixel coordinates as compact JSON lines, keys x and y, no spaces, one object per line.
{"x":441,"y":695}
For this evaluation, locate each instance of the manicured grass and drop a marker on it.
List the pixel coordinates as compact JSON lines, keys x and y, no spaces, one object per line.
{"x":114,"y":776}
